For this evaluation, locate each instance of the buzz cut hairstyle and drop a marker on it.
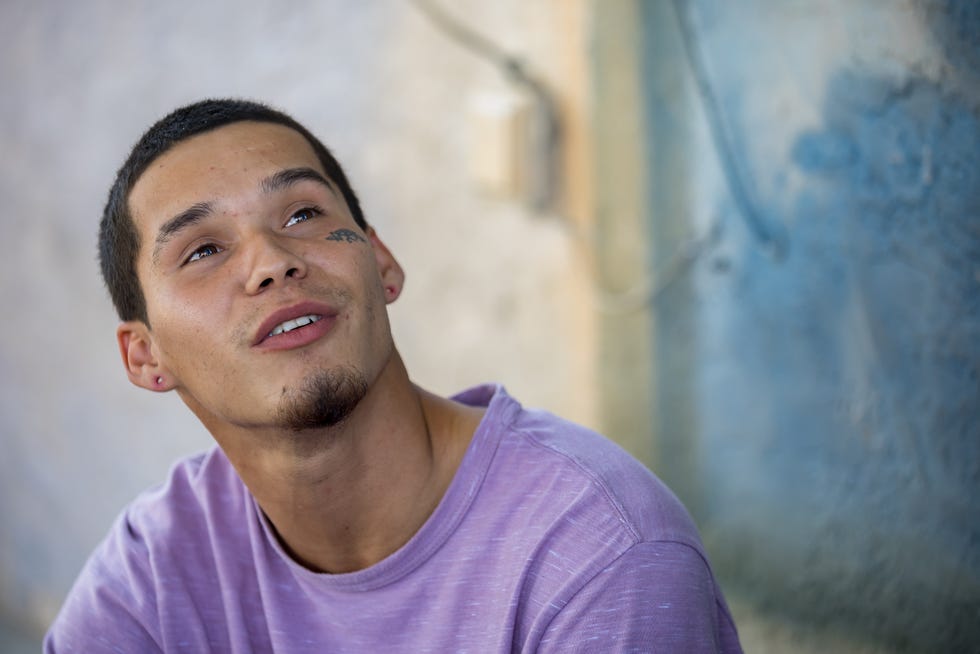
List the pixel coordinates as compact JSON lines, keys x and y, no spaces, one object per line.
{"x":119,"y":240}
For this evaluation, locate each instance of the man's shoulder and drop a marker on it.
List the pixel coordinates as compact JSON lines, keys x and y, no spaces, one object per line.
{"x":550,"y":452}
{"x":161,"y":547}
{"x":583,"y":527}
{"x":175,"y":522}
{"x":197,"y":488}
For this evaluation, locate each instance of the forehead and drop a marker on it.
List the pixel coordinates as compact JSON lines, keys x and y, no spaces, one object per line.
{"x":223,"y":165}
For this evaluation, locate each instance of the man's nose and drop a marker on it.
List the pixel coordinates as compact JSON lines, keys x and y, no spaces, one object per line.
{"x":271,"y":262}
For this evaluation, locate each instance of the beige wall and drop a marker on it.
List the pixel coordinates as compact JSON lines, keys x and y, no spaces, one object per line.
{"x":495,"y":291}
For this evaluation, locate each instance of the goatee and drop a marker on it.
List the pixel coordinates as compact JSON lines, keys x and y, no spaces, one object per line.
{"x":324,"y":400}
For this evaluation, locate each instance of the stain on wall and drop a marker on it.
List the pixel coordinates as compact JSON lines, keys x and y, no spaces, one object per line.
{"x":820,"y":412}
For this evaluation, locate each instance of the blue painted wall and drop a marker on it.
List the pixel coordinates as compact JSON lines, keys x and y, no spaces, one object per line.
{"x":818,"y":368}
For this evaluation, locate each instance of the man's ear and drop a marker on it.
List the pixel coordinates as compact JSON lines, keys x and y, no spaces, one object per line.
{"x":392,"y":275}
{"x":139,"y":357}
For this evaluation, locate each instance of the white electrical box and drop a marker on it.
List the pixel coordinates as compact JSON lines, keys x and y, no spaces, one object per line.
{"x":499,"y":125}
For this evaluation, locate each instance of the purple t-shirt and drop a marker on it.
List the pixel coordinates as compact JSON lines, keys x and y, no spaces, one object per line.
{"x":550,"y":538}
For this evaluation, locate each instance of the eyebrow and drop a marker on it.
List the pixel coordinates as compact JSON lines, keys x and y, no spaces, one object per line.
{"x":272,"y":184}
{"x":181,"y":221}
{"x":290,"y":176}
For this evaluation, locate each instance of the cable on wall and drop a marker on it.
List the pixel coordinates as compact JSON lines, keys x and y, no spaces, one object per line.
{"x":771,"y":236}
{"x":546,"y":129}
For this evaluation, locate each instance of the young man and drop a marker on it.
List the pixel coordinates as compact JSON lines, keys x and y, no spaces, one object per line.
{"x":345,"y":509}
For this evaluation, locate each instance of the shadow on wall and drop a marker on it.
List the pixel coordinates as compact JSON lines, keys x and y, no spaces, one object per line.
{"x":896,"y":189}
{"x":826,"y":405}
{"x":890,"y":217}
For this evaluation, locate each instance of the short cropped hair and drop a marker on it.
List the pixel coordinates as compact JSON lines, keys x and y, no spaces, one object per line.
{"x":119,"y":240}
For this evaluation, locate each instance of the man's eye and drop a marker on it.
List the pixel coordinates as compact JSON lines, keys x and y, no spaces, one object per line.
{"x":202,"y":252}
{"x":302,"y":216}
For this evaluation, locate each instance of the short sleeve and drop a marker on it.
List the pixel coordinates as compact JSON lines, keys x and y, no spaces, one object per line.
{"x":656,"y":597}
{"x":111,"y":606}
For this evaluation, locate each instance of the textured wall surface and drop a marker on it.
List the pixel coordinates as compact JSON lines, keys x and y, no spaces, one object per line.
{"x":490,"y":285}
{"x":818,"y":371}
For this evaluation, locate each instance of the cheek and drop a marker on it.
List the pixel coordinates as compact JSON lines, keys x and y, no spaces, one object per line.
{"x":188,"y":333}
{"x":369,"y":273}
{"x":182,"y":346}
{"x":192,"y":308}
{"x":354,"y":267}
{"x":375,"y":295}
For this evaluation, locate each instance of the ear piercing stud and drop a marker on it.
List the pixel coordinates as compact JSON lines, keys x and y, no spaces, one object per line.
{"x":159,"y":381}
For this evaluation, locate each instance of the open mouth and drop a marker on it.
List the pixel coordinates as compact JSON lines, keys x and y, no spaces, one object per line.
{"x":295,"y":323}
{"x":295,"y":326}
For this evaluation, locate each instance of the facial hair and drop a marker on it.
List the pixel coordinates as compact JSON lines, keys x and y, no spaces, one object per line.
{"x":324,"y":400}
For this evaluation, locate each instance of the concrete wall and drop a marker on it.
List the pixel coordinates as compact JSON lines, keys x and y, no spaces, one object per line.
{"x":817,"y":391}
{"x":814,"y":399}
{"x":494,"y":290}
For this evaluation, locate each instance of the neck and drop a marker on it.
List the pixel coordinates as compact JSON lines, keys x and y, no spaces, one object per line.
{"x":345,"y":497}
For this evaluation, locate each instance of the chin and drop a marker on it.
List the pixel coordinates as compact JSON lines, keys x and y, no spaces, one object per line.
{"x":324,"y":400}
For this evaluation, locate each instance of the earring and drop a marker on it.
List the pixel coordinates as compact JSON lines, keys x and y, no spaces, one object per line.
{"x":159,"y":381}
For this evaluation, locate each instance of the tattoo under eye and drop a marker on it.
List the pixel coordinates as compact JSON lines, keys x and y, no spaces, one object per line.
{"x":345,"y":235}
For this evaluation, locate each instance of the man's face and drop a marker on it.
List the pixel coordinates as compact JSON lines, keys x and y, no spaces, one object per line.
{"x":257,"y":279}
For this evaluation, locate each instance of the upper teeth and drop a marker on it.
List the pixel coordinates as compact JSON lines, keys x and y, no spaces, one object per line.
{"x":290,"y":325}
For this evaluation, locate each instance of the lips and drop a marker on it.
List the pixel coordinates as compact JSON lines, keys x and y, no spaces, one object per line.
{"x":290,"y":325}
{"x":294,"y":326}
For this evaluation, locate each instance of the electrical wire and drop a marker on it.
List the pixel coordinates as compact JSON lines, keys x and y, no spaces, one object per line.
{"x":652,"y":286}
{"x":546,"y":135}
{"x":770,"y":236}
{"x":471,"y":39}
{"x":645,"y":292}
